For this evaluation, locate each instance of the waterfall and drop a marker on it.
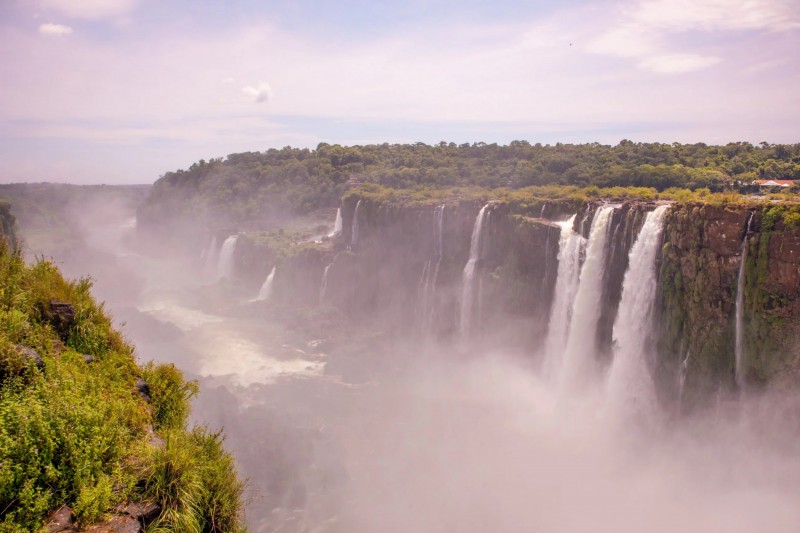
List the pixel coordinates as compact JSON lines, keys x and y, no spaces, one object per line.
{"x":225,"y":268}
{"x":581,"y":340}
{"x":630,"y":386}
{"x":571,"y":246}
{"x":354,"y":231}
{"x":682,"y":373}
{"x":337,"y":225}
{"x":739,"y":347}
{"x":266,"y":288}
{"x":211,"y":259}
{"x":468,"y":290}
{"x":323,"y":287}
{"x":430,"y":274}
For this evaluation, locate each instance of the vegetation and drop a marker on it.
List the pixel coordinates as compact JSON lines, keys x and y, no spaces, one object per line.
{"x":48,"y":212}
{"x":264,"y":186}
{"x":75,"y":431}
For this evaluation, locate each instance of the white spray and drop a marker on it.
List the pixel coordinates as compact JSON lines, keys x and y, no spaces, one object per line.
{"x":630,"y":386}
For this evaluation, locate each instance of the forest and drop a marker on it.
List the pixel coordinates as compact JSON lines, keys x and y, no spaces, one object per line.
{"x":246,"y":186}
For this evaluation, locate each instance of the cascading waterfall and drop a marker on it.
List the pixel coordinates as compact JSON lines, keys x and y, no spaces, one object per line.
{"x":581,"y":341}
{"x":225,"y":268}
{"x":739,"y":347}
{"x":571,"y":247}
{"x":354,"y":231}
{"x":212,"y":259}
{"x":266,"y":287}
{"x":323,"y":287}
{"x":430,"y":273}
{"x":337,"y":225}
{"x":630,"y":386}
{"x":469,"y":281}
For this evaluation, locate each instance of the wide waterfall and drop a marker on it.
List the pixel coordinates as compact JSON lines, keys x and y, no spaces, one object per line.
{"x":266,"y":287}
{"x":430,"y":274}
{"x":571,"y":247}
{"x":225,"y":268}
{"x":469,"y":278}
{"x":581,"y":343}
{"x":739,"y":346}
{"x":354,"y":230}
{"x":337,"y":225}
{"x":630,"y":386}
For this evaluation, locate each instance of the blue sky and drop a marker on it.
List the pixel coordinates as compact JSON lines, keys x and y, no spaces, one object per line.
{"x":120,"y":91}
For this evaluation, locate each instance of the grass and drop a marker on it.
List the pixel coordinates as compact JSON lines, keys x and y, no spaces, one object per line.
{"x":75,"y":433}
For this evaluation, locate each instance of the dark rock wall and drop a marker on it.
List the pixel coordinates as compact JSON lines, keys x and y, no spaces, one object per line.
{"x":379,"y":281}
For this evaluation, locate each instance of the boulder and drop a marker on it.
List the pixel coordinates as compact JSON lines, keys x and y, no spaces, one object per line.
{"x":60,"y":315}
{"x":59,"y":520}
{"x":143,"y":512}
{"x":143,"y":389}
{"x":31,"y":355}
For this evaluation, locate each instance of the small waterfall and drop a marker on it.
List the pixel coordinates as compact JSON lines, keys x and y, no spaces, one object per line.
{"x":323,"y":287}
{"x":354,"y":231}
{"x":739,"y":347}
{"x":266,"y":288}
{"x":337,"y":225}
{"x":571,"y":247}
{"x":581,"y":340}
{"x":469,"y":282}
{"x":430,"y":274}
{"x":225,"y":268}
{"x":682,"y":373}
{"x":630,"y":386}
{"x":211,"y":260}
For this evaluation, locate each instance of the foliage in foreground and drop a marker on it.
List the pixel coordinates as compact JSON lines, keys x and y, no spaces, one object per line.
{"x":74,"y":431}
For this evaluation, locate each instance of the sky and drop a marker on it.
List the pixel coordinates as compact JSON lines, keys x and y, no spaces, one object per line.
{"x":122,"y":91}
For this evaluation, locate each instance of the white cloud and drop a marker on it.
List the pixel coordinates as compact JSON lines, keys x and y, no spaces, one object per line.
{"x":91,"y":9}
{"x":653,"y":31}
{"x":677,"y":63}
{"x":55,"y":30}
{"x":679,"y":15}
{"x":260,"y":93}
{"x":228,"y":81}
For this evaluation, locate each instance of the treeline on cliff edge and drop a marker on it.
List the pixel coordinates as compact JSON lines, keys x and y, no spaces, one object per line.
{"x":293,"y":180}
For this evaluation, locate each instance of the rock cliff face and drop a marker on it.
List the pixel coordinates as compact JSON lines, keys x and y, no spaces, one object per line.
{"x":403,"y":264}
{"x":699,"y":273}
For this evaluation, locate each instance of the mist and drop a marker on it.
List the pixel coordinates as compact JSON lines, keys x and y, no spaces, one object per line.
{"x":354,"y":425}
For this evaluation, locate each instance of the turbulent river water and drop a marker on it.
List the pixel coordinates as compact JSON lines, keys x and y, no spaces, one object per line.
{"x":373,"y":434}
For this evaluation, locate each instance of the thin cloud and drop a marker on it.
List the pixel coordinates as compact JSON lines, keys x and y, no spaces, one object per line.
{"x":678,"y":63}
{"x":646,"y":30}
{"x":680,"y":15}
{"x":55,"y":30}
{"x":91,"y":9}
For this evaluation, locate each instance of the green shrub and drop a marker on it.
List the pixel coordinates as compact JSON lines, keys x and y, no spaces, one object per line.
{"x":75,"y":434}
{"x":170,"y":395}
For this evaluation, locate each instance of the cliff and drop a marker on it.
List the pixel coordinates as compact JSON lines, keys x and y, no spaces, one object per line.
{"x":400,"y":261}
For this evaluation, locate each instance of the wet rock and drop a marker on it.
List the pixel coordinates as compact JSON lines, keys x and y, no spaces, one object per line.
{"x":60,"y":315}
{"x":143,"y":512}
{"x":59,"y":520}
{"x":143,"y":389}
{"x":31,"y":355}
{"x":117,"y":524}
